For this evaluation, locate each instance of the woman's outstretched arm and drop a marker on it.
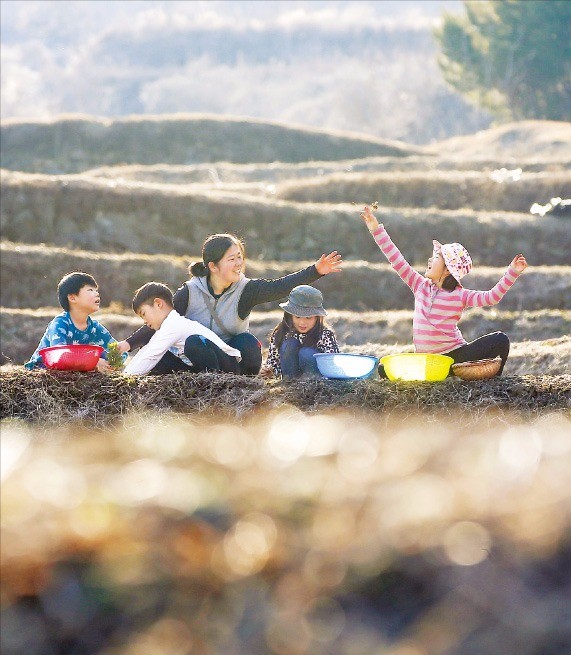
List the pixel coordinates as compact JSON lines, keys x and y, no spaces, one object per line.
{"x":258,"y":290}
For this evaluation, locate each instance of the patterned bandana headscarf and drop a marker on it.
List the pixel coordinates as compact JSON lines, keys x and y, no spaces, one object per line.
{"x":456,"y":258}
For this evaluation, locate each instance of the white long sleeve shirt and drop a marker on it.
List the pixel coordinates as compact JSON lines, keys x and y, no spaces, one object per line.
{"x":172,"y":334}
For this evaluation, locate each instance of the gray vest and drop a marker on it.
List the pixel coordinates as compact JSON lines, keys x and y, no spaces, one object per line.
{"x":220,"y":315}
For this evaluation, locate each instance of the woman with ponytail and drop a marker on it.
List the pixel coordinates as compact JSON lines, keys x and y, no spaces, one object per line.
{"x":219,"y":296}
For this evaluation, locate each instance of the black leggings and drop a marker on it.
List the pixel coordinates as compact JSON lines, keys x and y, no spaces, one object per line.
{"x":207,"y":356}
{"x":496,"y":344}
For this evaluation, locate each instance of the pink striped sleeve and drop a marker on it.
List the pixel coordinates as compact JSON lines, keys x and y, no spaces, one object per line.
{"x":494,"y":295}
{"x":405,"y":271}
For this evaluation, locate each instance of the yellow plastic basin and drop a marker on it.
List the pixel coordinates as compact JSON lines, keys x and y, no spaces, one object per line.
{"x":417,"y":366}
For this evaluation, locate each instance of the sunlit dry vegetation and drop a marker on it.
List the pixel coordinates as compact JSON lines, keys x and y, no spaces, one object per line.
{"x":291,"y":533}
{"x":30,"y":274}
{"x":75,"y":143}
{"x":97,"y":214}
{"x":444,"y":189}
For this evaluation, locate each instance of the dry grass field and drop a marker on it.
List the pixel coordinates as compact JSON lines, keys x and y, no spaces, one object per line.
{"x":79,"y":193}
{"x":363,"y":285}
{"x":119,"y":216}
{"x":522,"y":140}
{"x":212,"y":514}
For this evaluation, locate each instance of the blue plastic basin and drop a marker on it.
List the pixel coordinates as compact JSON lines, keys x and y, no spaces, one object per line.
{"x":345,"y":366}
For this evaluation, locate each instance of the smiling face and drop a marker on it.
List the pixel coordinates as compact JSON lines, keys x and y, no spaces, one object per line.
{"x":228,"y":269}
{"x":85,"y":300}
{"x":154,"y":313}
{"x":303,"y":324}
{"x":436,"y":268}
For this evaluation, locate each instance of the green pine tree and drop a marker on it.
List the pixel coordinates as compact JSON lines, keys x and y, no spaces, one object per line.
{"x":512,"y":57}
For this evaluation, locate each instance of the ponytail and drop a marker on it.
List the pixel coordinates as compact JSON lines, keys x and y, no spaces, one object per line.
{"x":198,"y":269}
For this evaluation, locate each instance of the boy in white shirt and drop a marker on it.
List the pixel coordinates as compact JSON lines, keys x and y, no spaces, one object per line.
{"x":173,"y":347}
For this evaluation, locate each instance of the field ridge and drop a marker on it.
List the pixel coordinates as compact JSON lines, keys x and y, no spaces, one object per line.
{"x":49,"y":398}
{"x":106,"y":215}
{"x":29,"y":275}
{"x":74,"y":143}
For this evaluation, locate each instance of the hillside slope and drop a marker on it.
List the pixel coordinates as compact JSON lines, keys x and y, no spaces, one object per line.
{"x":76,"y":143}
{"x":120,"y":216}
{"x":520,"y":140}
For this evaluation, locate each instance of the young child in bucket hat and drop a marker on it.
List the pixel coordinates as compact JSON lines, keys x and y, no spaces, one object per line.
{"x":440,"y":299}
{"x":299,"y":335}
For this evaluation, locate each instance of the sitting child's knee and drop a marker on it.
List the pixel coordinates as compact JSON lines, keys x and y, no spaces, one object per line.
{"x":306,"y":353}
{"x":194,"y":341}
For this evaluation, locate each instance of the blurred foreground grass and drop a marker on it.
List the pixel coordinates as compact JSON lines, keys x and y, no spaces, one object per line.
{"x":288,"y":533}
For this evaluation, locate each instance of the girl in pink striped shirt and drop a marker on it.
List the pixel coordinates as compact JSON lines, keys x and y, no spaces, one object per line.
{"x":439,"y":298}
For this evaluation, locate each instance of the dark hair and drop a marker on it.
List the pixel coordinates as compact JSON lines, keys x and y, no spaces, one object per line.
{"x":213,"y":250}
{"x":148,"y":292}
{"x":73,"y":283}
{"x":286,"y":325}
{"x":449,"y":283}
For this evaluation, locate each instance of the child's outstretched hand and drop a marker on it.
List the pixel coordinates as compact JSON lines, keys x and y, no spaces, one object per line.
{"x":518,"y":263}
{"x":369,"y":218}
{"x":103,"y":366}
{"x":330,"y":263}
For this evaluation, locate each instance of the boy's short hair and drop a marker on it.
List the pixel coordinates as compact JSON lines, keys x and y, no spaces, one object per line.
{"x":148,"y":292}
{"x":73,"y":283}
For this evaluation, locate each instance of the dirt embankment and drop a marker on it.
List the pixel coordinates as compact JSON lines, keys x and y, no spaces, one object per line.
{"x":74,"y":144}
{"x":29,"y":275}
{"x":519,"y":140}
{"x":221,"y":175}
{"x":105,"y":215}
{"x":443,"y":189}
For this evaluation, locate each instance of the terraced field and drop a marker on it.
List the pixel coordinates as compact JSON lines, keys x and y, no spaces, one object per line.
{"x":314,"y":516}
{"x":130,"y":223}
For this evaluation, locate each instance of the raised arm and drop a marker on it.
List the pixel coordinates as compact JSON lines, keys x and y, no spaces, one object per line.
{"x":258,"y":291}
{"x":472,"y":298}
{"x":396,"y":259}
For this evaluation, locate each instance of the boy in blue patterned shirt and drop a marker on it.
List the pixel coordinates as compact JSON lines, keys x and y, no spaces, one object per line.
{"x":79,"y":297}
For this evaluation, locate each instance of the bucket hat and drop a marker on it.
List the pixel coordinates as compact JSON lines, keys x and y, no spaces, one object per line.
{"x":456,"y":258}
{"x":304,"y":301}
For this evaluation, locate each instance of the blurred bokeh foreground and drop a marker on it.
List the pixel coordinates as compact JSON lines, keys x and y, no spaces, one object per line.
{"x":288,"y":534}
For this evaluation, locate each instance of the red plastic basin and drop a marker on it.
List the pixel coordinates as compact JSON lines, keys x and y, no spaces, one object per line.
{"x":71,"y":357}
